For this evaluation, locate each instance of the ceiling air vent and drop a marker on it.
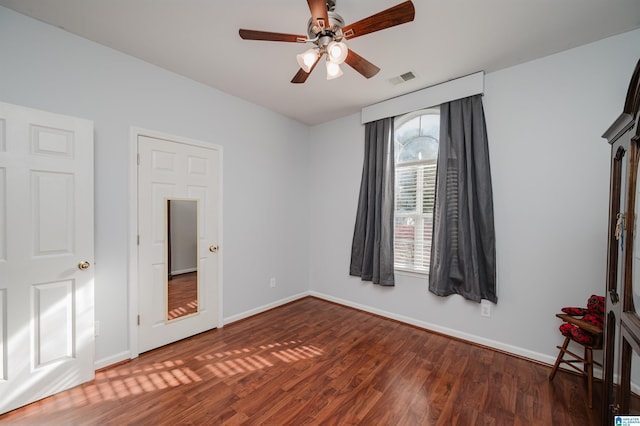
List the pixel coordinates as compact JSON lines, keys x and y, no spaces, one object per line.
{"x":402,"y":78}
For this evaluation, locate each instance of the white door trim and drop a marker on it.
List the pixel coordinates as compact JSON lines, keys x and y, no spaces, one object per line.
{"x":135,"y":132}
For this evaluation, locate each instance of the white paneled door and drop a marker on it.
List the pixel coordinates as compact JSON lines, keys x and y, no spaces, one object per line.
{"x":46,"y":254}
{"x":188,"y":173}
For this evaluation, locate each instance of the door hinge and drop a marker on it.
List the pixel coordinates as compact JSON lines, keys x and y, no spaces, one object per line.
{"x":138,"y":159}
{"x":138,"y":319}
{"x":138,"y":239}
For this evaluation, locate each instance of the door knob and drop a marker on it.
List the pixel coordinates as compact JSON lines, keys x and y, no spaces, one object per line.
{"x":83,"y":266}
{"x":213,"y":249}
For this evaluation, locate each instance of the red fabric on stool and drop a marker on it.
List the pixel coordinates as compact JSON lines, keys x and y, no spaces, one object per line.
{"x":594,"y":314}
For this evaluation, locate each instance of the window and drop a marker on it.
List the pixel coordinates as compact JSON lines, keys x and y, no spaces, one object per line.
{"x":416,"y":154}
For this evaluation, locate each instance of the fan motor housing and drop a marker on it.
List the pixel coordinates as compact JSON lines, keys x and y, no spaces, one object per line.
{"x":334,"y":29}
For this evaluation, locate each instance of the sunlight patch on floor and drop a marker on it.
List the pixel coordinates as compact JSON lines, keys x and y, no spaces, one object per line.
{"x":288,"y":352}
{"x":130,"y":379}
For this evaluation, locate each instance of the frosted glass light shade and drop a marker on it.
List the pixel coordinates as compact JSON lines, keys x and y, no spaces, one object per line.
{"x":337,"y":52}
{"x":307,"y":58}
{"x":333,"y":70}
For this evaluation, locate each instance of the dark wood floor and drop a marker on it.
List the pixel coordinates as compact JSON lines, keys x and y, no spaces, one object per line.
{"x":313,"y":362}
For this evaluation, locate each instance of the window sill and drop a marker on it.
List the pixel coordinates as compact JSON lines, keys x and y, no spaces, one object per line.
{"x":411,"y":273}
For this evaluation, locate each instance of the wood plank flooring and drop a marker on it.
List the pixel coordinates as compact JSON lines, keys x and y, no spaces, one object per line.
{"x":313,"y":362}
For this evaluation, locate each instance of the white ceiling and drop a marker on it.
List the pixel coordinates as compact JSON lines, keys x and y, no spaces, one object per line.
{"x":448,"y":39}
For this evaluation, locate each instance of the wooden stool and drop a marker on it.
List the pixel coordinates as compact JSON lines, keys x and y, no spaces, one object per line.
{"x":586,"y":360}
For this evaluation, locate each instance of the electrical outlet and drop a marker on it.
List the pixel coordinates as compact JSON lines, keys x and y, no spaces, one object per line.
{"x":272,"y":282}
{"x":485,"y":308}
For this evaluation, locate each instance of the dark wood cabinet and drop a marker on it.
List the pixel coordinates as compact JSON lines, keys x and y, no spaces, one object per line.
{"x":621,"y":375}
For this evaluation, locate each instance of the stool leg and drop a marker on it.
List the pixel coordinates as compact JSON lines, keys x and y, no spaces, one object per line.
{"x":586,"y":357}
{"x":589,"y":369}
{"x":560,"y":355}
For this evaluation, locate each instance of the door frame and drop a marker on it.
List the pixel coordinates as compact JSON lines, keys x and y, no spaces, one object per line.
{"x":135,"y":132}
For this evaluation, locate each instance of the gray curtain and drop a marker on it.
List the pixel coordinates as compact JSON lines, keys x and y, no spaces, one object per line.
{"x":463,"y":253}
{"x":372,"y":247}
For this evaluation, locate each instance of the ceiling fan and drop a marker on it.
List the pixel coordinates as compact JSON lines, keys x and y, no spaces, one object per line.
{"x":327,"y":32}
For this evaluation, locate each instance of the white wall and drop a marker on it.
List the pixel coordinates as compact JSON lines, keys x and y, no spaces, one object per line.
{"x":550,"y":171}
{"x":265,"y":163}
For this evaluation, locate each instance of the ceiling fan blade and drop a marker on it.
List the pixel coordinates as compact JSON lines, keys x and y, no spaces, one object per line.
{"x":301,"y":76}
{"x":396,"y":15}
{"x":269,"y":36}
{"x":319,"y":12}
{"x":360,"y":64}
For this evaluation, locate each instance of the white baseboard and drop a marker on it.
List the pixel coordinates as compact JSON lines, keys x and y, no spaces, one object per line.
{"x":264,"y":308}
{"x":536,"y":356}
{"x":113,"y":359}
{"x":494,"y":344}
{"x":514,"y":350}
{"x":126,"y":355}
{"x":184,"y":271}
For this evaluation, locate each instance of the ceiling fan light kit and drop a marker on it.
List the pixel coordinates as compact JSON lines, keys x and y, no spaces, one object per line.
{"x":326,"y":30}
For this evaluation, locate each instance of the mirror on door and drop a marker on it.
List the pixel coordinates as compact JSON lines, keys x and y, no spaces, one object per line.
{"x":182,"y":258}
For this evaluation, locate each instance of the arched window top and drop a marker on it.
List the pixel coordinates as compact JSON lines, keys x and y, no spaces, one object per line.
{"x":417,"y":135}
